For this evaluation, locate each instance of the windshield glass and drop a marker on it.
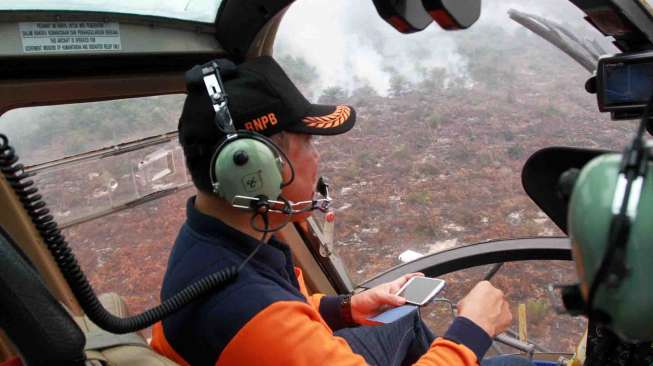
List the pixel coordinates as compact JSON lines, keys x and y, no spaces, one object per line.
{"x":44,"y":134}
{"x":194,"y":10}
{"x":445,"y":123}
{"x":114,"y":177}
{"x":446,"y":120}
{"x":91,"y":159}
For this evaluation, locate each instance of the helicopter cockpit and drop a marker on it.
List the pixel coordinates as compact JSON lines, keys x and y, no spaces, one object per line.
{"x":475,"y":121}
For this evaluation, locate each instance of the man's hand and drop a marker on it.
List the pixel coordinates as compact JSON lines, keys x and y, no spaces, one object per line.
{"x":369,"y":303}
{"x":487,"y":307}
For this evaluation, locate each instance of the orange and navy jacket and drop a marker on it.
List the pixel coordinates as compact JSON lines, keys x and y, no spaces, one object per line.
{"x":266,"y":317}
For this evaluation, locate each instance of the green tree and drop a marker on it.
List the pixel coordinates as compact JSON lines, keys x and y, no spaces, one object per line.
{"x":432,"y":79}
{"x":515,"y":152}
{"x":362,"y":95}
{"x":399,"y":85}
{"x":304,"y":75}
{"x":332,"y":95}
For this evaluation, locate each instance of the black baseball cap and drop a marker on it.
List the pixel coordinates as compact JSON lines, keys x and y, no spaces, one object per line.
{"x":261,"y":98}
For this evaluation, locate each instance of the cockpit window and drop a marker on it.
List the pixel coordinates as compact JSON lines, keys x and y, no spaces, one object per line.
{"x":193,"y":10}
{"x":114,"y":177}
{"x":45,"y":134}
{"x":446,"y":121}
{"x":92,"y":159}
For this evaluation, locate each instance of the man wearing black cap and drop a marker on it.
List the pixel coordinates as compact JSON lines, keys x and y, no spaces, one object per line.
{"x":266,"y":316}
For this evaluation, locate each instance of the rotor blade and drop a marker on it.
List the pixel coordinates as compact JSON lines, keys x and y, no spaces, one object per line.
{"x":553,"y":32}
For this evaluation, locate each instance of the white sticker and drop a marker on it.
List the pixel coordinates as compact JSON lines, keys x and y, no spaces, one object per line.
{"x":47,"y":37}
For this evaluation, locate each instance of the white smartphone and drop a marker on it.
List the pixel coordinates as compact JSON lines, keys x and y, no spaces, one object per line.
{"x":420,"y":290}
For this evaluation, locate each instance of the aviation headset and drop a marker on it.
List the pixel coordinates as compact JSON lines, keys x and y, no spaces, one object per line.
{"x":246,"y":168}
{"x":611,"y":227}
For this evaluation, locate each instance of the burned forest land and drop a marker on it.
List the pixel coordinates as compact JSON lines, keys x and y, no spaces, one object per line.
{"x":427,"y":168}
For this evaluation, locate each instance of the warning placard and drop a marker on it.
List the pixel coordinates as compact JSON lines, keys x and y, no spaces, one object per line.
{"x":47,"y":37}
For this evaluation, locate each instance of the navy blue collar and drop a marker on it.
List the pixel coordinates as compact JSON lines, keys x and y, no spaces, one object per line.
{"x":275,"y":253}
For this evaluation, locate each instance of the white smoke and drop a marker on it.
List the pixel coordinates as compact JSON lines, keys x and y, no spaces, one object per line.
{"x":349,"y":44}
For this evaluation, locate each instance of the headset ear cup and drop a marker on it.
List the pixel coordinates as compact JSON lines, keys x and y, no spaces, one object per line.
{"x":246,"y":166}
{"x":592,"y":220}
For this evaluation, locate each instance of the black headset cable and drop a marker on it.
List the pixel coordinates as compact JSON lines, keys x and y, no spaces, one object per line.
{"x":53,"y":238}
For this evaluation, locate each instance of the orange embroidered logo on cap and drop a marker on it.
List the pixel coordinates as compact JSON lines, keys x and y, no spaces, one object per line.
{"x":335,"y":119}
{"x":261,"y":123}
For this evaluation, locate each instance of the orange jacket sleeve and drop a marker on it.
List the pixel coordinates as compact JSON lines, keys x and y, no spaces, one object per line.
{"x":327,"y":306}
{"x":160,"y":344}
{"x":314,"y":299}
{"x":293,"y":333}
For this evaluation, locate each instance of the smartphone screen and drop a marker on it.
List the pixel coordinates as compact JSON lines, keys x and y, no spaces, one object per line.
{"x":420,"y":290}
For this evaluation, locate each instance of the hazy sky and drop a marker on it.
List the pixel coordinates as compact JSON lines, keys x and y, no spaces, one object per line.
{"x":343,"y":38}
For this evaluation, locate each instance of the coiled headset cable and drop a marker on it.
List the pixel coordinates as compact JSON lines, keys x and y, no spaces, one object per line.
{"x":62,"y":254}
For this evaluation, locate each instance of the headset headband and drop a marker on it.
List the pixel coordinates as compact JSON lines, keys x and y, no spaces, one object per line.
{"x":218,"y":96}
